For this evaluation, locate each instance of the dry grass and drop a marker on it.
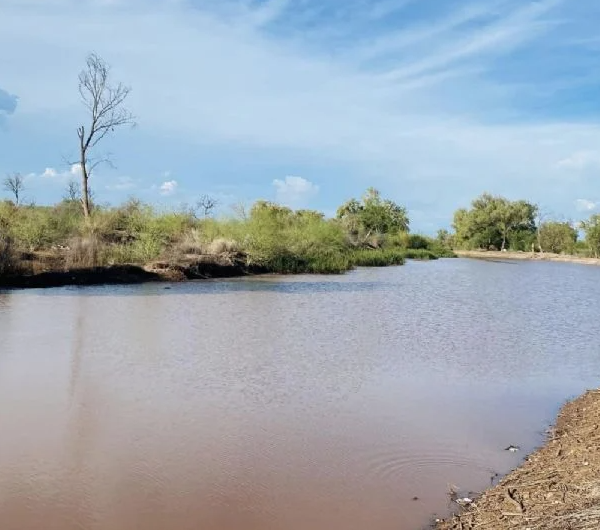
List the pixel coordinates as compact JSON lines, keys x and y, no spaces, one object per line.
{"x":84,"y":252}
{"x":8,"y":260}
{"x":557,"y":488}
{"x":193,"y":242}
{"x":221,"y":246}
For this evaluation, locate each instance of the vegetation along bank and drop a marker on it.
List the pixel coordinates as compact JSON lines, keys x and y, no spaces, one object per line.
{"x":82,"y":241}
{"x":134,"y":242}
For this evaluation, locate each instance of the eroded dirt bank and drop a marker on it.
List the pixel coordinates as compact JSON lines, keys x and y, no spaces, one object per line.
{"x":557,"y":487}
{"x":546,"y":256}
{"x":43,"y":272}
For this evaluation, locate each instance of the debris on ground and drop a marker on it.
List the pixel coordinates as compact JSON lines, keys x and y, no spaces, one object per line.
{"x":556,"y":488}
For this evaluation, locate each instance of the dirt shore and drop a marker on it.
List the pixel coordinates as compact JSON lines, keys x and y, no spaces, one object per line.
{"x":41,"y":271}
{"x":546,"y":256}
{"x":556,"y":488}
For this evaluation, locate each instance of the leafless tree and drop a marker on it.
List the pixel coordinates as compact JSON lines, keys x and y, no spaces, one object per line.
{"x":104,"y":102}
{"x":73,"y":191}
{"x":206,"y":205}
{"x":240,"y":210}
{"x":15,"y":184}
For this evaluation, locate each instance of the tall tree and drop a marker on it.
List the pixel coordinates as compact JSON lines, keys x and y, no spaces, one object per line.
{"x":512,"y":216}
{"x":492,"y":220}
{"x":557,"y":237}
{"x":15,"y":184}
{"x":374,"y":214}
{"x":591,"y":228}
{"x":104,"y":103}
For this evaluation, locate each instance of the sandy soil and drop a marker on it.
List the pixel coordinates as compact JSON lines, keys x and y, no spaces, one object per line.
{"x":546,"y":256}
{"x":557,"y":487}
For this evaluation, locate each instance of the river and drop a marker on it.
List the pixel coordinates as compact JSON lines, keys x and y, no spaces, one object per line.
{"x":297,"y":403}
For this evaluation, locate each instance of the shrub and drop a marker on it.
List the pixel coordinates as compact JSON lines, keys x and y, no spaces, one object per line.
{"x":420,"y":254}
{"x":84,"y":252}
{"x":8,"y":260}
{"x":377,"y":258}
{"x":418,"y":241}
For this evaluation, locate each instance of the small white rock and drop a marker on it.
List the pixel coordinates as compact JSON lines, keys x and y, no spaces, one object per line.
{"x":465,"y":501}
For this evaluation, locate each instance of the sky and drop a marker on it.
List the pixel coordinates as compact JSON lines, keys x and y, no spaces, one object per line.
{"x":310,"y":102}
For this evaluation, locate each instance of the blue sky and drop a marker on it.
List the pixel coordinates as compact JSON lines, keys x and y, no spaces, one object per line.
{"x":309,"y":102}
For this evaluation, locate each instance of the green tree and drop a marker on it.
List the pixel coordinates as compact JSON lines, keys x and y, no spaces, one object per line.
{"x":492,"y":220}
{"x":557,"y":237}
{"x":373,"y":214}
{"x":514,"y":216}
{"x":444,"y":238}
{"x":591,"y":227}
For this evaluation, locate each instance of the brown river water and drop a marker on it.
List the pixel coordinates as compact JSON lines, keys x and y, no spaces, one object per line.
{"x":297,"y":403}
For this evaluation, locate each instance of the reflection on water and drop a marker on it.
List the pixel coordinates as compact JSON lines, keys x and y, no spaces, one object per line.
{"x":283,"y":403}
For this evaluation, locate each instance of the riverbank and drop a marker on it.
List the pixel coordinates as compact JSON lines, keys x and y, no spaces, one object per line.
{"x":51,"y":269}
{"x":556,"y":488}
{"x":530,"y":256}
{"x":41,"y":271}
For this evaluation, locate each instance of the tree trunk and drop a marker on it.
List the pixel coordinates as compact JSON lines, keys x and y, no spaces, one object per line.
{"x":503,"y":241}
{"x":85,"y":192}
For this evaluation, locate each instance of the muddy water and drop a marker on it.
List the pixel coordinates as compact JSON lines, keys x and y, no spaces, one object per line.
{"x":284,"y":404}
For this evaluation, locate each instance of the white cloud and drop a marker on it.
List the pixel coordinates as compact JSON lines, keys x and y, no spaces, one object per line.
{"x":585,"y":205}
{"x":581,"y":160}
{"x":50,"y":173}
{"x":389,"y":103}
{"x":169,"y":187}
{"x":294,"y":191}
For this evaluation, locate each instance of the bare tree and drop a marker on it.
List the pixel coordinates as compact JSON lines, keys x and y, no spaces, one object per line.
{"x":73,"y":191}
{"x":206,"y":205}
{"x":104,"y":103}
{"x":15,"y":184}
{"x":240,"y":210}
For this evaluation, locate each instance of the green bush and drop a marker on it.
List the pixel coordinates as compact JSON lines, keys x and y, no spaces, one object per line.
{"x":377,"y":258}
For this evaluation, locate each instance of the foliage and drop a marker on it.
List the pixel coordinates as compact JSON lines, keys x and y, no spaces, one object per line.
{"x":269,"y":236}
{"x":373,"y":215}
{"x":493,"y":221}
{"x":591,"y":227}
{"x":557,"y":237}
{"x":377,"y":258}
{"x":444,"y":239}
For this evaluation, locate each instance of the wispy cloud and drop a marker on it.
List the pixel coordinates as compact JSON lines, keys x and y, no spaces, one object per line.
{"x":123,"y":183}
{"x":581,"y":160}
{"x":294,"y":191}
{"x":585,"y":205}
{"x":388,"y":92}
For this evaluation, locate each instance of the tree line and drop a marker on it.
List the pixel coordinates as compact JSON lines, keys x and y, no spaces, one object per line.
{"x":497,"y":223}
{"x":492,"y":222}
